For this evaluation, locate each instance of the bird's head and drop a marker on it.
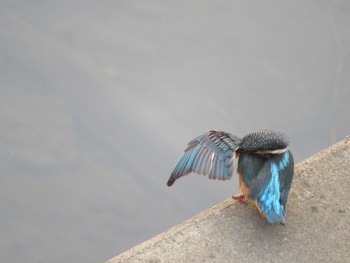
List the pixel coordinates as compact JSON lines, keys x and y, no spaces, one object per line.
{"x":265,"y":142}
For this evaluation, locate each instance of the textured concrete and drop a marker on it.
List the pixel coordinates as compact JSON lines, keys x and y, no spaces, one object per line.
{"x":317,"y":223}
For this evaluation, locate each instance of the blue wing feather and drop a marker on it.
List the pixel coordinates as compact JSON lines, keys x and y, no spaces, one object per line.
{"x":211,"y":154}
{"x":286,"y":176}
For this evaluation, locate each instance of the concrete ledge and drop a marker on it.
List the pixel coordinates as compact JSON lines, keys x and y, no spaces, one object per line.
{"x":317,"y":223}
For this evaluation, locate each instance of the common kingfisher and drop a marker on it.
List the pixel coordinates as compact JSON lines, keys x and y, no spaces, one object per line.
{"x":261,"y":159}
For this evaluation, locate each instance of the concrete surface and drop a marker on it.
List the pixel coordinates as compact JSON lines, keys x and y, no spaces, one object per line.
{"x":317,"y":223}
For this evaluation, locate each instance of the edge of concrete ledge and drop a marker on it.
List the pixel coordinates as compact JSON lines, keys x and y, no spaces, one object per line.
{"x":171,"y":231}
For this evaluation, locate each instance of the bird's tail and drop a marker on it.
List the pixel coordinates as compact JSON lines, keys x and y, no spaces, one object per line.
{"x":272,"y":215}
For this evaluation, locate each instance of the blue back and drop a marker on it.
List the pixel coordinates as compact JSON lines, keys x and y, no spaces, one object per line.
{"x":268,"y":178}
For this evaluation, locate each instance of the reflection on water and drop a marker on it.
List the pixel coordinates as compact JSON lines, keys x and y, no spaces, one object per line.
{"x":98,"y":102}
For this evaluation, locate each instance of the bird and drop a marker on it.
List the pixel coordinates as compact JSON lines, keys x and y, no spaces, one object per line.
{"x":261,"y":159}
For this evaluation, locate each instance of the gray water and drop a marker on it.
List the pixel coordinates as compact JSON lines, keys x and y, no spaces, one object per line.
{"x":99,"y":98}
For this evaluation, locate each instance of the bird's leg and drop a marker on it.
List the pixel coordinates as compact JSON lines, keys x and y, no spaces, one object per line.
{"x":240,"y":198}
{"x":244,"y":192}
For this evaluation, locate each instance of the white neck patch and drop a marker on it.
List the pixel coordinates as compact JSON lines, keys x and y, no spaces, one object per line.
{"x":278,"y":151}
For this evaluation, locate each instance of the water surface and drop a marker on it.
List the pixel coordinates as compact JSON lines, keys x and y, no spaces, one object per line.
{"x":98,"y":100}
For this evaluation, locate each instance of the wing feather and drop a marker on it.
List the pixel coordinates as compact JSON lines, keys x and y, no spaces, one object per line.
{"x":212,"y":154}
{"x":208,"y":163}
{"x":214,"y":168}
{"x":286,"y":177}
{"x":197,"y":159}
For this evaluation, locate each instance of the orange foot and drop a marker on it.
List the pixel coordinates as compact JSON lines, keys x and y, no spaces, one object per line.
{"x":240,"y":198}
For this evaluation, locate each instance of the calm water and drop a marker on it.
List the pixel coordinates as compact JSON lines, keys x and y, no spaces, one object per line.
{"x":98,"y":100}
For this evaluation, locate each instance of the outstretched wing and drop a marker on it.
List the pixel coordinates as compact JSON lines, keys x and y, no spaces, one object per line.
{"x":212,"y":153}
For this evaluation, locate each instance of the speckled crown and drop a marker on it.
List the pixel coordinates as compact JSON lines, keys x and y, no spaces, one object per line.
{"x":264,"y":140}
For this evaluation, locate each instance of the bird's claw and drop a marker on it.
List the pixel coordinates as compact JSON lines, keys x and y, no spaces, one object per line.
{"x":240,"y":198}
